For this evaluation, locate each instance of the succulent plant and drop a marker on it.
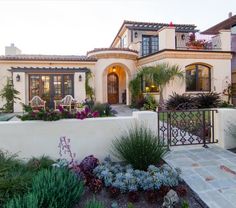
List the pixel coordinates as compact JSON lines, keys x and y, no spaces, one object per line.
{"x":126,"y":179}
{"x":89,"y":163}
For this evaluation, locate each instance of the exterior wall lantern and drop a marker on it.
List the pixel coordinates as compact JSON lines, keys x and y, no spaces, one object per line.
{"x":17,"y":77}
{"x":80,"y":78}
{"x":135,"y":34}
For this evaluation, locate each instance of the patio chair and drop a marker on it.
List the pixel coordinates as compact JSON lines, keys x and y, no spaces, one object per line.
{"x":37,"y":103}
{"x":66,"y":102}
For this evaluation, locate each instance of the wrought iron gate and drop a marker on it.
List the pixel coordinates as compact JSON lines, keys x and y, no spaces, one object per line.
{"x":187,"y":127}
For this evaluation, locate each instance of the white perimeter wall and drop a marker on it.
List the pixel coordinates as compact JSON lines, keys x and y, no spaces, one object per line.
{"x":89,"y":136}
{"x":225,"y":122}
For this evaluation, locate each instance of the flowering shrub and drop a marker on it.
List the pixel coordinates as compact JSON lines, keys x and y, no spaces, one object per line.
{"x":194,"y":43}
{"x":51,"y":115}
{"x":127,"y":179}
{"x":87,"y":113}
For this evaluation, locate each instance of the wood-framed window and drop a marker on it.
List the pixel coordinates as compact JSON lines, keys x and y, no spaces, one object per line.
{"x":150,"y":44}
{"x":198,"y":78}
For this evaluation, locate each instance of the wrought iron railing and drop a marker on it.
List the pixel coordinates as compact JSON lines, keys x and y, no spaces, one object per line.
{"x":187,"y":127}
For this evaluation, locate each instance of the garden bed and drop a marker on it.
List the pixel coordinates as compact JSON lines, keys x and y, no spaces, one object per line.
{"x":192,"y":198}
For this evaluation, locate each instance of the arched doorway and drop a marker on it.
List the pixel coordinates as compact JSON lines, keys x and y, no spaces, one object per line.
{"x":112,"y":88}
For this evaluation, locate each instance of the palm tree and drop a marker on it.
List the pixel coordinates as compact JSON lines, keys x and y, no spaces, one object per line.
{"x":161,"y":75}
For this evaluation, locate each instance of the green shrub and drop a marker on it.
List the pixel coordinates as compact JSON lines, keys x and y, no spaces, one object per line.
{"x":15,"y":178}
{"x":53,"y":188}
{"x":28,"y":201}
{"x":94,"y":204}
{"x":57,"y":188}
{"x":9,"y":94}
{"x":176,"y":101}
{"x":225,"y":104}
{"x":149,"y":103}
{"x":104,"y":109}
{"x":140,"y":147}
{"x":43,"y":162}
{"x":208,"y":100}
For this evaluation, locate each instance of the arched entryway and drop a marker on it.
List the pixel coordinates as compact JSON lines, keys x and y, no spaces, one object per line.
{"x":113,"y":88}
{"x":116,"y":84}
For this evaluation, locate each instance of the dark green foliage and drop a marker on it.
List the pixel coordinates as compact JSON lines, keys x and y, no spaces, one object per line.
{"x":149,"y":103}
{"x":9,"y":94}
{"x":45,"y":115}
{"x":89,"y":90}
{"x":57,"y":188}
{"x":185,"y":204}
{"x":104,"y":109}
{"x":27,"y":201}
{"x":135,"y":88}
{"x":208,"y":100}
{"x":140,"y":147}
{"x":53,"y":188}
{"x":175,"y":101}
{"x":14,"y":177}
{"x":94,"y":204}
{"x":43,"y":162}
{"x":225,"y":104}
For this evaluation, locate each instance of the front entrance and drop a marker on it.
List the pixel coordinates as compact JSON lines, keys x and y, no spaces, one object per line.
{"x":113,"y":88}
{"x":51,"y":87}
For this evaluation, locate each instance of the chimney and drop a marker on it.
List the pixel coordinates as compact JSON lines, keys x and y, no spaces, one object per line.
{"x":12,"y":50}
{"x":230,"y":14}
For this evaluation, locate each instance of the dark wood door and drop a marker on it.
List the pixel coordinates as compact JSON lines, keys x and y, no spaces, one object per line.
{"x":113,"y":88}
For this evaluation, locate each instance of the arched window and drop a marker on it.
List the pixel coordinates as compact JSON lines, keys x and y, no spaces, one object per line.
{"x":198,"y":78}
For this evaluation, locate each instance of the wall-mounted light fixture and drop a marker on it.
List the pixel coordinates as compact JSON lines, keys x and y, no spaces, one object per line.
{"x":80,"y":78}
{"x":17,"y":77}
{"x":136,"y":34}
{"x":183,"y":37}
{"x":113,"y":69}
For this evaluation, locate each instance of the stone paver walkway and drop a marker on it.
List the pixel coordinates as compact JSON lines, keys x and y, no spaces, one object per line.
{"x":211,"y":173}
{"x":123,"y":110}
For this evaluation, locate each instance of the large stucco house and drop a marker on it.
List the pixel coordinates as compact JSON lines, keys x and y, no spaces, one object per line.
{"x":136,"y":44}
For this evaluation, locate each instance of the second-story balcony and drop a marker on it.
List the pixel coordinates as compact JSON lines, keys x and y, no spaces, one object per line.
{"x":168,"y":38}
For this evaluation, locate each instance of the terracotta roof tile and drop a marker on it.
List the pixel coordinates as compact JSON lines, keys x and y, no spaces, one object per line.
{"x":47,"y":58}
{"x":112,"y":49}
{"x":226,"y":24}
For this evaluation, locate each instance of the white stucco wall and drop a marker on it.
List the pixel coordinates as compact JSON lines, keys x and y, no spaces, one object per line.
{"x":220,"y":73}
{"x":100,"y":73}
{"x":225,"y":121}
{"x":22,"y":86}
{"x":89,"y":136}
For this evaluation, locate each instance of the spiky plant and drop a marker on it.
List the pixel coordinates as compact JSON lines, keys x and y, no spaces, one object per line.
{"x":94,"y":204}
{"x":140,"y":147}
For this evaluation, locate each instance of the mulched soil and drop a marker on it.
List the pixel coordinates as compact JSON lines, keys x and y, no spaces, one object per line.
{"x":122,"y":200}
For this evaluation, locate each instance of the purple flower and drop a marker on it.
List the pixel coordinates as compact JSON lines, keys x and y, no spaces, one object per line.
{"x":61,"y":109}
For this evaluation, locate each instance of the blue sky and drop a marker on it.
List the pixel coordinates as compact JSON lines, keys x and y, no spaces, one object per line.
{"x":77,"y":26}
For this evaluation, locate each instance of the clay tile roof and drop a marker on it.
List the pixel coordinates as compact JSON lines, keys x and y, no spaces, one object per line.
{"x":112,"y":49}
{"x":47,"y":58}
{"x":226,"y":24}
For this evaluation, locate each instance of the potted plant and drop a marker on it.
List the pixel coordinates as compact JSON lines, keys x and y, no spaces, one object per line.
{"x":196,"y":44}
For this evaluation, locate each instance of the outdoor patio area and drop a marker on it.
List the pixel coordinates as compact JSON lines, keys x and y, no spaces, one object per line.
{"x":210,"y":172}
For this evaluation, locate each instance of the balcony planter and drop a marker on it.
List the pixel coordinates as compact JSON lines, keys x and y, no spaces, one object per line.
{"x":195,"y":47}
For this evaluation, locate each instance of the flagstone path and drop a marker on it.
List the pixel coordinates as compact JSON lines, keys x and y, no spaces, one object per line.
{"x":210,"y":172}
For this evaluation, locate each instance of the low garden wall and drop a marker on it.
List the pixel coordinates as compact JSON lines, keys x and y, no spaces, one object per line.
{"x":225,"y":126}
{"x":89,"y":136}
